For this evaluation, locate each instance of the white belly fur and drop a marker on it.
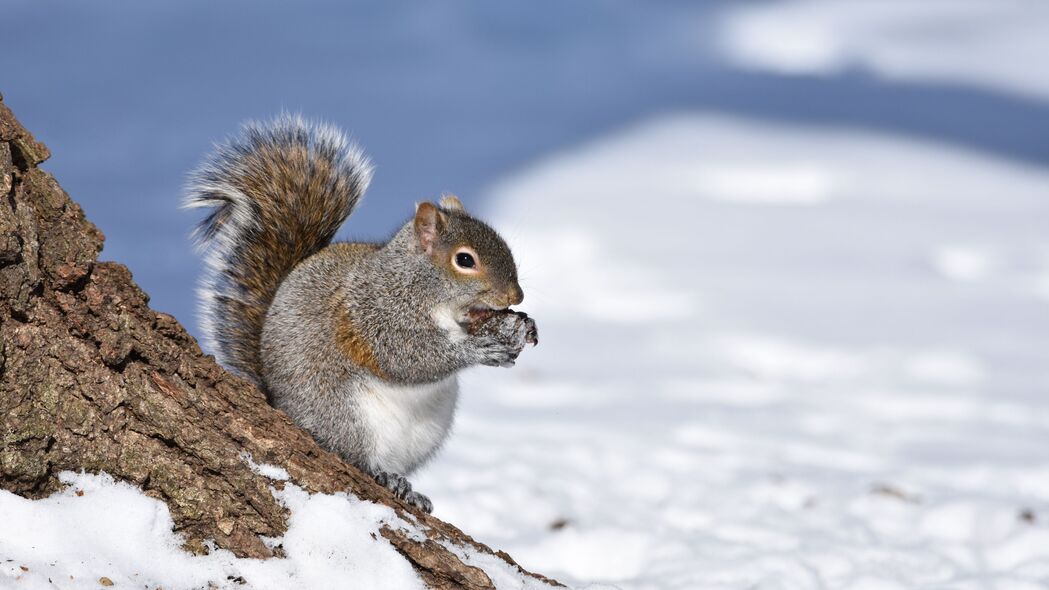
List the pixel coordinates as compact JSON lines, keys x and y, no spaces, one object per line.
{"x":407,"y":423}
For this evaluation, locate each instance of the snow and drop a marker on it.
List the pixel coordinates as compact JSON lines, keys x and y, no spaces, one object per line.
{"x":264,"y":469}
{"x":97,"y":528}
{"x":993,"y":44}
{"x":846,"y":391}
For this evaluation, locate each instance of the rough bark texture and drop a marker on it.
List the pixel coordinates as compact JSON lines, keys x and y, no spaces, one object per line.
{"x":92,"y":379}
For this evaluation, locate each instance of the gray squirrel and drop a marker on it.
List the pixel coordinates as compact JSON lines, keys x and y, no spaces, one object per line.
{"x":359,"y":343}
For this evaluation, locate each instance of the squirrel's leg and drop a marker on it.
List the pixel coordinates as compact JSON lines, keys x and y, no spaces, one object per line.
{"x":400,"y":486}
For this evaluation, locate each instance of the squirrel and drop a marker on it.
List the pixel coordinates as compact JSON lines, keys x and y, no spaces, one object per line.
{"x":359,"y":343}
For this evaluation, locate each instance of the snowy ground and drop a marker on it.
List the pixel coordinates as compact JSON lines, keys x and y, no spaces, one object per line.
{"x":99,"y":532}
{"x":829,"y":370}
{"x":773,"y":355}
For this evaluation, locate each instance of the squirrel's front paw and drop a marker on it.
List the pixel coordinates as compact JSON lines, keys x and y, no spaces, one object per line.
{"x":502,"y":336}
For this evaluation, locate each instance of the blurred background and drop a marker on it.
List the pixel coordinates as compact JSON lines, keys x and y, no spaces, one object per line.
{"x":790,"y":258}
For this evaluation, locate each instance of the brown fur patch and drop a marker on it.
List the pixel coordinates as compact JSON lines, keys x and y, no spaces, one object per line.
{"x":353,"y":344}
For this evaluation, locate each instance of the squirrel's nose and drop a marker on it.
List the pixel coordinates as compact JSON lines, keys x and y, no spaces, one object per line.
{"x":514,"y":296}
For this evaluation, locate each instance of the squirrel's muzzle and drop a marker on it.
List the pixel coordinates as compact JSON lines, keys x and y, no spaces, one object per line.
{"x":514,"y":295}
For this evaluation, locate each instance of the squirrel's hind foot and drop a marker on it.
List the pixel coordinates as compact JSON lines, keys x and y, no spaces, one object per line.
{"x":402,"y":488}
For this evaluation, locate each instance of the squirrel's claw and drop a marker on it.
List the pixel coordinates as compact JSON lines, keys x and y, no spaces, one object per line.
{"x":402,"y":488}
{"x":502,"y":336}
{"x":532,"y":334}
{"x":419,"y":501}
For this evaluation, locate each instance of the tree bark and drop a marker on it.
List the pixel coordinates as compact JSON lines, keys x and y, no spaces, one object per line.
{"x":92,"y":379}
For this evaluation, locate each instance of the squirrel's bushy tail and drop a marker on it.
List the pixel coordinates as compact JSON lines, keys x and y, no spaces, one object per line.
{"x":278,"y":191}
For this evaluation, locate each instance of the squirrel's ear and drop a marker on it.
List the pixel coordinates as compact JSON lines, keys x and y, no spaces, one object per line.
{"x":429,"y":221}
{"x":451,"y":202}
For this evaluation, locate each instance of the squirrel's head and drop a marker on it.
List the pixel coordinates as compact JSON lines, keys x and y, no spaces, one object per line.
{"x":471,"y":256}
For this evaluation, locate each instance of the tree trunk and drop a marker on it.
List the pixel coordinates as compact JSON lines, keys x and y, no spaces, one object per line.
{"x":92,"y":379}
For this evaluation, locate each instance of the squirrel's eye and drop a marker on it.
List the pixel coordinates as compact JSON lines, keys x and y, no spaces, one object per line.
{"x":465,"y":260}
